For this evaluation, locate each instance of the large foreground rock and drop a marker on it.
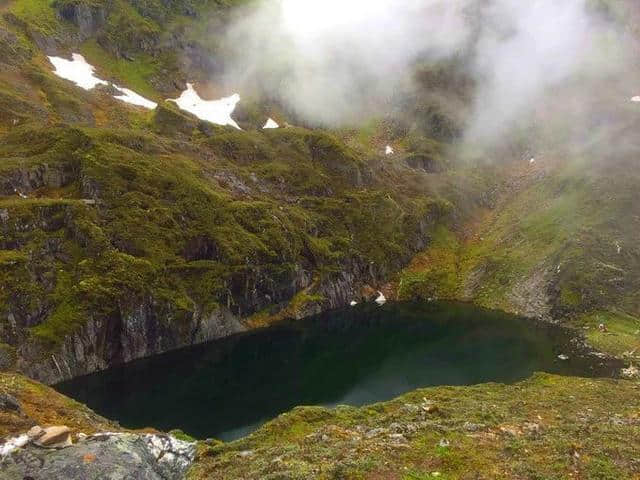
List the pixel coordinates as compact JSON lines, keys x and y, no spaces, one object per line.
{"x":113,"y":456}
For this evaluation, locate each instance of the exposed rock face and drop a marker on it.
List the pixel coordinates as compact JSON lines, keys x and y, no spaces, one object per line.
{"x":108,"y":456}
{"x":149,"y":328}
{"x":143,"y":332}
{"x":27,"y":180}
{"x":88,"y":18}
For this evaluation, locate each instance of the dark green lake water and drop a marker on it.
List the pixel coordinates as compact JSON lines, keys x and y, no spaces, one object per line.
{"x":228,"y":388}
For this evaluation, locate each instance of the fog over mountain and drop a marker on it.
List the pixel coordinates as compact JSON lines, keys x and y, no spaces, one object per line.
{"x":333,"y":62}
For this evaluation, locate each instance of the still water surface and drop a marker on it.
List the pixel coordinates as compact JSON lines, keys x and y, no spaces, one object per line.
{"x":228,"y":388}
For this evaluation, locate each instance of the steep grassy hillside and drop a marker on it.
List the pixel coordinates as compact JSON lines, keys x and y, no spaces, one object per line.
{"x":128,"y":232}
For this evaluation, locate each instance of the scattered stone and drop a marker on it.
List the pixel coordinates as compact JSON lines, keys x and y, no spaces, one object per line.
{"x":246,"y":453}
{"x":398,"y":437}
{"x":9,"y":403}
{"x":353,"y":303}
{"x":510,"y":430}
{"x":375,"y":432}
{"x":55,"y":437}
{"x":381,"y":300}
{"x":603,"y":328}
{"x":632,"y":372}
{"x":444,"y":443}
{"x":473,"y":427}
{"x":563,"y":357}
{"x":431,"y":408}
{"x":532,"y":428}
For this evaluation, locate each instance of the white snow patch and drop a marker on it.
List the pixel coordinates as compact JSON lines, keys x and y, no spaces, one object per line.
{"x":636,"y":99}
{"x":13,"y":444}
{"x":129,"y":96}
{"x":353,"y":303}
{"x":563,"y":357}
{"x":271,"y":123}
{"x":214,"y":111}
{"x":532,"y":161}
{"x":77,"y":70}
{"x":381,"y":300}
{"x":389,"y":150}
{"x":82,"y":74}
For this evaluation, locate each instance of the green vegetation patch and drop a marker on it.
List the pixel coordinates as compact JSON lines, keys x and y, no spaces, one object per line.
{"x":544,"y":427}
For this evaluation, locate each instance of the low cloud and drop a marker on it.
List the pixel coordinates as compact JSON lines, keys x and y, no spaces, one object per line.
{"x":335,"y":62}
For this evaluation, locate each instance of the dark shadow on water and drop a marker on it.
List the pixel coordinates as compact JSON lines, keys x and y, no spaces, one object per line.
{"x":228,"y":388}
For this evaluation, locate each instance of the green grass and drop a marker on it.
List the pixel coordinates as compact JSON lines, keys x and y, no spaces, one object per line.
{"x":622,"y":335}
{"x":133,"y":75}
{"x":38,"y":14}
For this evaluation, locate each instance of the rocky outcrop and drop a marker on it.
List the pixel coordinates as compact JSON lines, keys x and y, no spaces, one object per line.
{"x":28,"y":180}
{"x":88,"y":18}
{"x":150,"y":328}
{"x":145,"y":330}
{"x":107,"y":456}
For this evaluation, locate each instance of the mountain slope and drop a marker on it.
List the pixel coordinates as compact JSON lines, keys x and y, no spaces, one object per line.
{"x":128,"y":232}
{"x":558,"y":244}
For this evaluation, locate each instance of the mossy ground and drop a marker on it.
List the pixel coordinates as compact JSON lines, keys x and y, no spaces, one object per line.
{"x":621,"y":336}
{"x":547,"y":427}
{"x":42,"y":405}
{"x":113,"y":217}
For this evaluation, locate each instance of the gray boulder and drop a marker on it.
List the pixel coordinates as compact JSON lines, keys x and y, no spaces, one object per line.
{"x":109,"y":456}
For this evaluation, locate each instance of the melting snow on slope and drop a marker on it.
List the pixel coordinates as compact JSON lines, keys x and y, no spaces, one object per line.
{"x":82,"y":74}
{"x":636,"y":99}
{"x":77,"y":70}
{"x":129,"y":96}
{"x":271,"y":123}
{"x":214,"y":111}
{"x":389,"y":150}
